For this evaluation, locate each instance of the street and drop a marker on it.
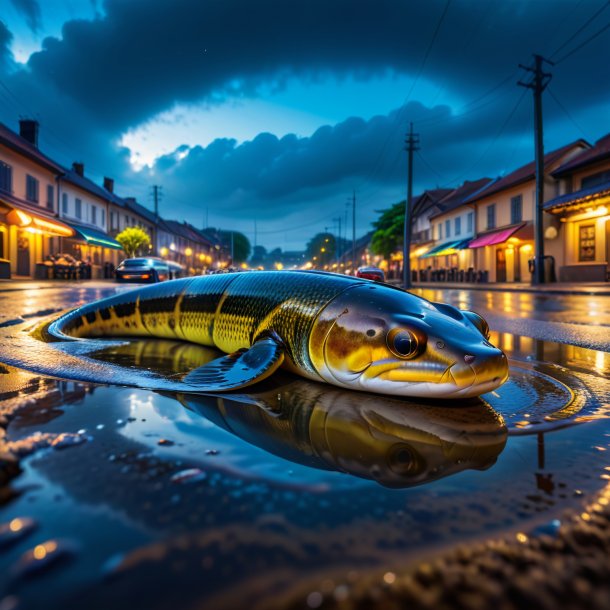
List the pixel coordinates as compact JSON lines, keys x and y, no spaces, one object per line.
{"x":295,"y":493}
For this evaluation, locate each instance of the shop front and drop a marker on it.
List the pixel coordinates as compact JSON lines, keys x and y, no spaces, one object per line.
{"x":27,"y":238}
{"x":94,"y":248}
{"x":503,"y":255}
{"x":449,"y":261}
{"x":585,"y":224}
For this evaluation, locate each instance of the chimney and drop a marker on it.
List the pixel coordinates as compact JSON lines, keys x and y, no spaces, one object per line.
{"x":28,"y":130}
{"x":79,"y":168}
{"x":109,"y":184}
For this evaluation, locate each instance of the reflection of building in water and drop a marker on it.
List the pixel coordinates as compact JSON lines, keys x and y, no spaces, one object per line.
{"x":571,"y":356}
{"x":394,"y":442}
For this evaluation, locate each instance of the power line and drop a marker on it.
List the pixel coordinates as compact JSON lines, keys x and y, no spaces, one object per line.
{"x":580,"y":29}
{"x":584,"y":43}
{"x":565,"y":111}
{"x":400,"y":111}
{"x":491,"y":145}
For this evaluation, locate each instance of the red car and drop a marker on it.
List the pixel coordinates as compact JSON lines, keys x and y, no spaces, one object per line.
{"x":371,"y":273}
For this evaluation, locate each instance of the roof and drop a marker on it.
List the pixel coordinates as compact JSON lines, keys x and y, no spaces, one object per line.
{"x":185,"y":230}
{"x":87,"y":185}
{"x":599,"y":152}
{"x":461,"y":195}
{"x":577,"y":198}
{"x":20,"y":145}
{"x":528,"y":171}
{"x":138,"y":208}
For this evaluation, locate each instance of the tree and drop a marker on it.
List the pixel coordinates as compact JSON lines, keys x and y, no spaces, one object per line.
{"x":241,"y":245}
{"x":389,"y":231}
{"x":259,"y":256}
{"x":321,"y":249}
{"x":133,"y":239}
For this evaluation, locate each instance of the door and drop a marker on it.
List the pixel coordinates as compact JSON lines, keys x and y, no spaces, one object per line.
{"x":500,"y":265}
{"x":517,"y":267}
{"x":23,"y":255}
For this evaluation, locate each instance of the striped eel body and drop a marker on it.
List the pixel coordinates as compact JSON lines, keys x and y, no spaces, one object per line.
{"x":346,"y":331}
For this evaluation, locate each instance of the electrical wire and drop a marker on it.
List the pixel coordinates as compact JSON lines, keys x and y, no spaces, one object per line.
{"x":567,"y":113}
{"x":583,"y":44}
{"x":580,"y":29}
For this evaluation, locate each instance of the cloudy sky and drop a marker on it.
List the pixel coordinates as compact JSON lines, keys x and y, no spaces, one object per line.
{"x":272,"y":112}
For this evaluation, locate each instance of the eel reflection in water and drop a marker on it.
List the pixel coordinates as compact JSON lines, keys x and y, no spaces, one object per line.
{"x":396,"y":442}
{"x":345,"y":331}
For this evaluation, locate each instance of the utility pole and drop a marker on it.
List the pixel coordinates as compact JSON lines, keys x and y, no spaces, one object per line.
{"x":338,"y":240}
{"x":354,"y":232}
{"x":412,"y":144}
{"x":538,"y":84}
{"x":157,"y":195}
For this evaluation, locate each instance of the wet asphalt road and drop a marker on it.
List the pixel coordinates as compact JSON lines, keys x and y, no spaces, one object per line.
{"x":581,"y":320}
{"x":133,"y":511}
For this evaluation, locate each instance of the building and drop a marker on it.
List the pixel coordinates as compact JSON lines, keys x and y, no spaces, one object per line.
{"x":582,"y":214}
{"x":83,"y":205}
{"x":453,"y":228}
{"x":29,"y":223}
{"x":504,"y":217}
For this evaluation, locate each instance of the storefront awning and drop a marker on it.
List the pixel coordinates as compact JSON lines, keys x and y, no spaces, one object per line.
{"x":495,"y":237}
{"x":36,"y":223}
{"x":450,"y":247}
{"x":95,"y":237}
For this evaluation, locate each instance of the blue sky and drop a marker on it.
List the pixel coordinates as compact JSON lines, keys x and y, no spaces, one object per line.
{"x":273,"y":112}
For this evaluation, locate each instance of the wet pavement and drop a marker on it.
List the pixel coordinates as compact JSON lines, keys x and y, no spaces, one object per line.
{"x":300,"y":495}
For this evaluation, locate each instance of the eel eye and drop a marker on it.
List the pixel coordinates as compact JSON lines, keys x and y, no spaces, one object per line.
{"x":479,"y":322}
{"x":403,"y":343}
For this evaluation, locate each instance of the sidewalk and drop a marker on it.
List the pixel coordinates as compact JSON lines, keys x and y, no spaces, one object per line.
{"x":576,"y":288}
{"x":584,"y":288}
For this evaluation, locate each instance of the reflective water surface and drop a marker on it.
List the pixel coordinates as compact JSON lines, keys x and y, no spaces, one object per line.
{"x":151,"y":497}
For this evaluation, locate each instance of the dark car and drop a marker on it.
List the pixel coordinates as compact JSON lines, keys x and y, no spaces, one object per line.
{"x":371,"y":273}
{"x":142,"y":270}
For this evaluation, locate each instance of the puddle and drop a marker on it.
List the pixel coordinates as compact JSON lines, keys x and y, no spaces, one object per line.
{"x":188,"y":498}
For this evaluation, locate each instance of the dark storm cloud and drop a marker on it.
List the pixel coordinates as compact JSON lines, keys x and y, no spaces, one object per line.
{"x":270,"y":176}
{"x":143,"y":56}
{"x":31,"y":11}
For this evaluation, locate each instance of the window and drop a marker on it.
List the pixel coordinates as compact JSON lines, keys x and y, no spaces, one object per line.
{"x":516,"y":209}
{"x":78,"y":208}
{"x":6,"y":177}
{"x":31,"y":188}
{"x":458,"y":226}
{"x":126,"y":220}
{"x":93,"y":215}
{"x":586,"y":243}
{"x":447,"y":228}
{"x":103,"y":220}
{"x":491,"y":216}
{"x":64,"y":203}
{"x":470,"y":222}
{"x":50,"y":196}
{"x":440,"y":231}
{"x":595,"y":179}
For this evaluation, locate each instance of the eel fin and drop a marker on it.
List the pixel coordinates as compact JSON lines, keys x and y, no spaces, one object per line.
{"x":238,"y":370}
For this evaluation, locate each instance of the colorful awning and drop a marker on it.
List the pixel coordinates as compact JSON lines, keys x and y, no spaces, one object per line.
{"x":495,"y":237}
{"x":38,"y":224}
{"x":94,"y":237}
{"x":450,"y":247}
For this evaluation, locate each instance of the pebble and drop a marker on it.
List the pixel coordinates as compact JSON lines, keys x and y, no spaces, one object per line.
{"x":189,"y":475}
{"x":42,"y":557}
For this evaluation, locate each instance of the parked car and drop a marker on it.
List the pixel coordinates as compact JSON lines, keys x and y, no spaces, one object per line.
{"x":176,"y":270}
{"x":142,"y":270}
{"x":371,"y":273}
